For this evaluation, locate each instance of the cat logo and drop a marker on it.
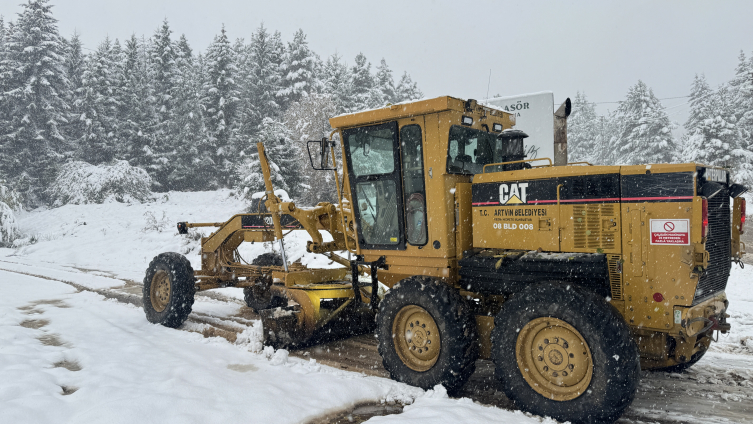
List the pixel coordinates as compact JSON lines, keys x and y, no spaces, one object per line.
{"x":512,"y":194}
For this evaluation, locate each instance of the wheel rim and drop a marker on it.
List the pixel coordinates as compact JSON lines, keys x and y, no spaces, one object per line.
{"x":159,"y":292}
{"x":417,"y":340}
{"x":554,"y":359}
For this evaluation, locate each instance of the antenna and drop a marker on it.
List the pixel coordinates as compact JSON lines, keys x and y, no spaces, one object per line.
{"x":488,"y":84}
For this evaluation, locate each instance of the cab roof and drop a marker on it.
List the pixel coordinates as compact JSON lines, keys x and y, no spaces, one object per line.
{"x":405,"y":110}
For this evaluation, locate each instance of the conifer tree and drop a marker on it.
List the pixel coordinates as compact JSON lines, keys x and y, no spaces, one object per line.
{"x":407,"y":89}
{"x":584,"y":137}
{"x":265,"y":75}
{"x":644,"y":133}
{"x":385,"y":83}
{"x":220,"y":100}
{"x":284,"y":161}
{"x":100,"y":106}
{"x":165,"y":80}
{"x":714,"y":138}
{"x":299,"y":69}
{"x":362,"y":84}
{"x":137,"y":104}
{"x":189,"y":165}
{"x":338,"y":84}
{"x":34,"y":91}
{"x":75,"y":62}
{"x":248,"y":115}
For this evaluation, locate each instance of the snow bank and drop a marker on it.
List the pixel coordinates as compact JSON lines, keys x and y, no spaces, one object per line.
{"x":68,"y":356}
{"x":80,"y":183}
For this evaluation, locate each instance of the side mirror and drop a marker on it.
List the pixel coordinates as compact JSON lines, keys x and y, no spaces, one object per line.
{"x":320,"y":156}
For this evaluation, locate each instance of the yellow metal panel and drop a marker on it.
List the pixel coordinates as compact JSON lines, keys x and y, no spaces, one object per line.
{"x":463,"y":219}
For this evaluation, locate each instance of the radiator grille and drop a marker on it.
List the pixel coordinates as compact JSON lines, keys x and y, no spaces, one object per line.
{"x":594,"y":226}
{"x":615,"y":275}
{"x":717,"y":244}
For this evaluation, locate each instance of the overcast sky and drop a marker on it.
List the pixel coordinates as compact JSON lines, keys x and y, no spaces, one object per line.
{"x":599,"y":47}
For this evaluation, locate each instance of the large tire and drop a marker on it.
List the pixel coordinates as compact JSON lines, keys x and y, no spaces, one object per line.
{"x":260,"y":296}
{"x":415,"y":313}
{"x":169,"y":288}
{"x":564,"y":352}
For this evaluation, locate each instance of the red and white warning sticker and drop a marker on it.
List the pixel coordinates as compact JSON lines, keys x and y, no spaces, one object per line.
{"x":670,"y":231}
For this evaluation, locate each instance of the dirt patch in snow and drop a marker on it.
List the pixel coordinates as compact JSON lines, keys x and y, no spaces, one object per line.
{"x":36,"y":324}
{"x":69,"y":365}
{"x":50,"y":340}
{"x":68,"y":390}
{"x":359,"y":414}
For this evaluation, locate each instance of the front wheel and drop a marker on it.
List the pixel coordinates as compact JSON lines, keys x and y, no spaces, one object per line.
{"x":564,"y":352}
{"x":169,"y":290}
{"x":427,"y":335}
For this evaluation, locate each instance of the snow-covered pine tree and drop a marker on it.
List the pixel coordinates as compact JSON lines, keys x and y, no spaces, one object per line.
{"x":137,"y":104}
{"x":75,"y":64}
{"x":741,"y":90}
{"x":10,"y":201}
{"x":700,"y":110}
{"x":308,"y":120}
{"x":385,"y":83}
{"x":584,"y":136}
{"x":100,"y":105}
{"x":248,"y":115}
{"x":337,"y":82}
{"x":220,"y":100}
{"x":644,"y":130}
{"x":407,"y":89}
{"x":34,"y":93}
{"x":284,"y":162}
{"x":186,"y":174}
{"x":165,"y":81}
{"x":299,"y":69}
{"x":265,"y":75}
{"x":716,"y":137}
{"x":362,"y":84}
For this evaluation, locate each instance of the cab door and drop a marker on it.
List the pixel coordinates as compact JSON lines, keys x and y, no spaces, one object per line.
{"x":413,"y":178}
{"x":376,"y":185}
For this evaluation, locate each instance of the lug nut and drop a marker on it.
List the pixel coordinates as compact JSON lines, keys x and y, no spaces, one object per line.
{"x":541,"y":348}
{"x":540,"y":359}
{"x":571,"y":366}
{"x":554,"y":374}
{"x":546,"y":341}
{"x":546,"y":368}
{"x":565,"y":345}
{"x":564,"y":373}
{"x":572,"y":356}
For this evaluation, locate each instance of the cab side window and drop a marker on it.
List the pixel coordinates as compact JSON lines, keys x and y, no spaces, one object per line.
{"x":414,"y":189}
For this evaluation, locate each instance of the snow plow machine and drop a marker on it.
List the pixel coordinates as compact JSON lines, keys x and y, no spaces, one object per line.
{"x":455,"y":247}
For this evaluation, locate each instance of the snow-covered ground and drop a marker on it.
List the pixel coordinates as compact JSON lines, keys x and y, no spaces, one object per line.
{"x":68,"y":354}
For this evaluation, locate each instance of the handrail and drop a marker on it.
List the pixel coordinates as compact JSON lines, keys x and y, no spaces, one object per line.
{"x":516,"y":161}
{"x":580,"y":163}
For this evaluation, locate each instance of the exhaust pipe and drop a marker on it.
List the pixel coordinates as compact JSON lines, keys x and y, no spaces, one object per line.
{"x":560,"y":133}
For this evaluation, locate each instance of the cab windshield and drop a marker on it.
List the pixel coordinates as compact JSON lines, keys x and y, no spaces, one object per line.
{"x":469,"y":150}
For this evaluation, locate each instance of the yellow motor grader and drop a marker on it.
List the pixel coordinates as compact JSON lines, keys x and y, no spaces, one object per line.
{"x":570,"y":277}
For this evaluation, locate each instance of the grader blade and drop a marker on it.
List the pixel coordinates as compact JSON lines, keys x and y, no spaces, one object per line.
{"x":281,"y":327}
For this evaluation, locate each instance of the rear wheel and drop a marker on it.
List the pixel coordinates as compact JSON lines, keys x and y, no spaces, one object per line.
{"x":427,"y":335}
{"x":260,"y":296}
{"x":169,"y":290}
{"x":564,"y":352}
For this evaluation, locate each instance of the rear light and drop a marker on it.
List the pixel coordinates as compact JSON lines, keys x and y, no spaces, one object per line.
{"x":742,"y":215}
{"x":705,"y":217}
